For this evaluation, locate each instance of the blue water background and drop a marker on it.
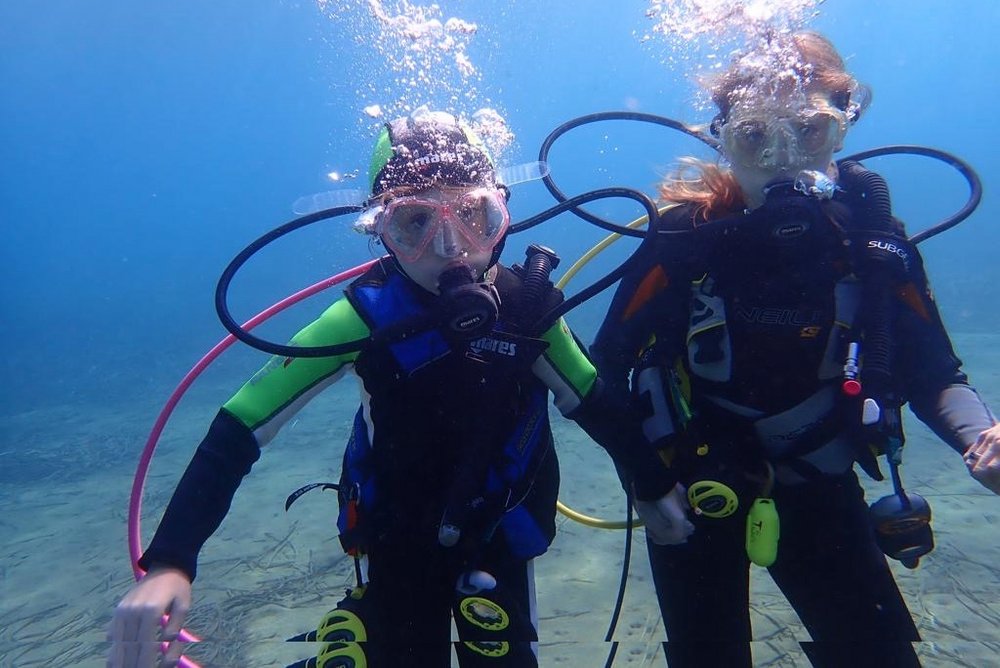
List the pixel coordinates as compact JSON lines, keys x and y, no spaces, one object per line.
{"x":143,"y":144}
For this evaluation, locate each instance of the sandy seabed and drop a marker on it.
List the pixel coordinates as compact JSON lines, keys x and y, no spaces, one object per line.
{"x":66,"y":472}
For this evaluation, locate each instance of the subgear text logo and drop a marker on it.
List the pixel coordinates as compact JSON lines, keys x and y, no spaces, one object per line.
{"x":487,"y":344}
{"x":889,"y":247}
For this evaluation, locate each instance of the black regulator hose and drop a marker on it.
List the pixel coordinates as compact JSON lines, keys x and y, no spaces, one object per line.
{"x":610,"y":279}
{"x":538,"y":267}
{"x":406,"y":329}
{"x":872,"y":198}
{"x":868,"y":193}
{"x":571,"y":204}
{"x":963,"y":168}
{"x":594,"y":289}
{"x":543,"y":153}
{"x":222,"y":291}
{"x":622,"y":581}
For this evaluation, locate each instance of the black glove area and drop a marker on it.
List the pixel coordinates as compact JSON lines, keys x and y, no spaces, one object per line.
{"x":615,"y":427}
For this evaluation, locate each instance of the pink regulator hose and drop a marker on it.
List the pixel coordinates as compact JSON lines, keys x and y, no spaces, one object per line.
{"x":135,"y":548}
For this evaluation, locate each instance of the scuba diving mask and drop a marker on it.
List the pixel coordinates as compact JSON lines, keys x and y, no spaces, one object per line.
{"x":768,"y":141}
{"x":474,"y":221}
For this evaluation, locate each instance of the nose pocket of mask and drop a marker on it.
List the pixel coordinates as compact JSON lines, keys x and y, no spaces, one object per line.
{"x":447,"y":242}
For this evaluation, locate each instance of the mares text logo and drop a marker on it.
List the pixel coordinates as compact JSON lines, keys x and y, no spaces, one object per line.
{"x":436,"y":158}
{"x":487,"y":344}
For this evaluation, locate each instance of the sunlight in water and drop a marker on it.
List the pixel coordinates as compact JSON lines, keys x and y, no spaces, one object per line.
{"x":700,"y":36}
{"x":412,"y":54}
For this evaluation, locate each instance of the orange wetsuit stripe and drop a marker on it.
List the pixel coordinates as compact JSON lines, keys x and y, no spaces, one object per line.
{"x":910,"y":295}
{"x":655,"y":281}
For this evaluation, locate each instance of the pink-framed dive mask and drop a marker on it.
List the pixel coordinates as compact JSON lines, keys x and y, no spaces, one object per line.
{"x":449,"y":225}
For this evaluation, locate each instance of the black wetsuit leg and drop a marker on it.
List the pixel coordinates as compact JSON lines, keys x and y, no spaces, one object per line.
{"x":829,"y":568}
{"x":487,"y":639}
{"x":409,"y":604}
{"x":407,"y":611}
{"x":703,"y":591}
{"x":836,"y":578}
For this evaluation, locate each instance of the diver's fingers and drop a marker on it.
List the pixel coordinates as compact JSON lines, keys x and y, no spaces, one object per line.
{"x":175,"y":620}
{"x":149,"y":624}
{"x":680,"y":526}
{"x":133,"y":654}
{"x":989,"y":438}
{"x":172,"y":656}
{"x":981,"y":444}
{"x":134,"y":636}
{"x":665,"y":519}
{"x":149,"y":654}
{"x":683,"y":493}
{"x":674,"y":512}
{"x":147,"y":646}
{"x":116,"y":653}
{"x":119,"y":633}
{"x":684,"y":526}
{"x":979,"y":456}
{"x":657,"y":534}
{"x":976,"y":450}
{"x":985,"y":459}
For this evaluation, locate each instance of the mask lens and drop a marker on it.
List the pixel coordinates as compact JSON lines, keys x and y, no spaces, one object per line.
{"x":408,"y":225}
{"x":483,"y":215}
{"x":815,"y":132}
{"x":748,"y":136}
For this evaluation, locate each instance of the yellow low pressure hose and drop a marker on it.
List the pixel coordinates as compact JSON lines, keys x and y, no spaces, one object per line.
{"x":574,"y":515}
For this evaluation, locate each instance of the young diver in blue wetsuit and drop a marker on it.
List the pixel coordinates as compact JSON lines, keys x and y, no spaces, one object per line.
{"x":449,"y":481}
{"x":791,"y":320}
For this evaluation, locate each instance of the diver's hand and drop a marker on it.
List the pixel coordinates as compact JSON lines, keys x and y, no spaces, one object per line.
{"x":135,"y":633}
{"x":983,"y":459}
{"x":666,"y":519}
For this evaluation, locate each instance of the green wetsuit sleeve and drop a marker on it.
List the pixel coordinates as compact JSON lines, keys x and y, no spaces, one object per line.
{"x":565,"y":368}
{"x":285,"y":384}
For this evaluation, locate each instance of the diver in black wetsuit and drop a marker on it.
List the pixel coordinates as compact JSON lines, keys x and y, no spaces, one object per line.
{"x":790,"y":320}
